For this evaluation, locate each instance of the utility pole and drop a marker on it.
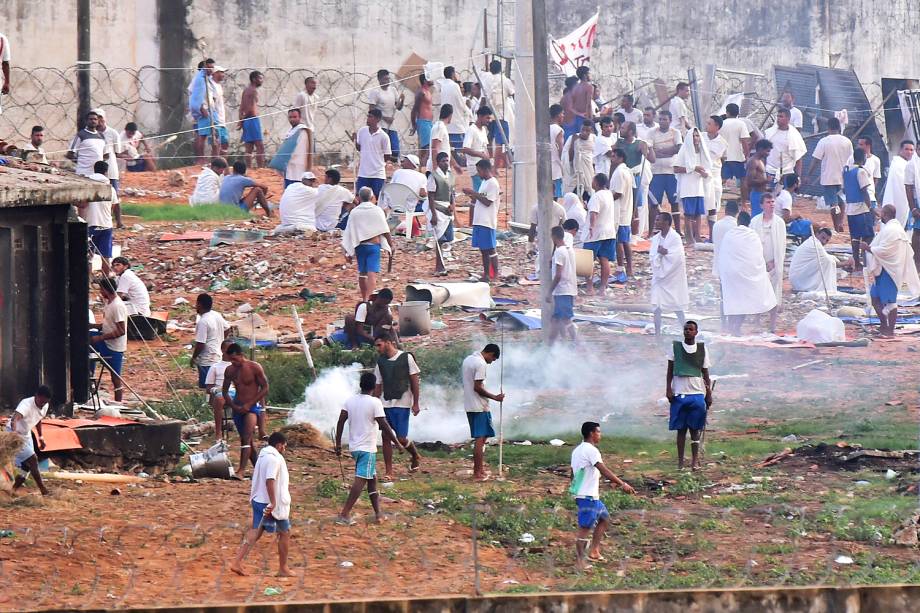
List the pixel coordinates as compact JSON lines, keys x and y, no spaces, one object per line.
{"x":83,"y":60}
{"x":524,"y":173}
{"x":544,"y":157}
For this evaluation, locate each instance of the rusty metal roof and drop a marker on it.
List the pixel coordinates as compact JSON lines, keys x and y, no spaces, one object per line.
{"x":20,"y":188}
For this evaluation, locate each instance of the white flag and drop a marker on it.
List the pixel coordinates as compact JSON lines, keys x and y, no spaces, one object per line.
{"x":574,"y":50}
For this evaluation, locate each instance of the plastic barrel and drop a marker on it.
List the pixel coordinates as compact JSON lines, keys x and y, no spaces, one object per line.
{"x":414,"y":318}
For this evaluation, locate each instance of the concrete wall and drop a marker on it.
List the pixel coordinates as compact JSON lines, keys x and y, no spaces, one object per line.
{"x":636,"y":40}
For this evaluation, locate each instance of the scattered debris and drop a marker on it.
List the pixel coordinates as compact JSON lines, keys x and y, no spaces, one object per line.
{"x":775,"y":458}
{"x":346,"y":564}
{"x":527,"y":538}
{"x":557,"y":442}
{"x":115,"y":492}
{"x":306,"y":435}
{"x":841,"y":559}
{"x":273,"y":591}
{"x":908,"y":534}
{"x":791,"y":438}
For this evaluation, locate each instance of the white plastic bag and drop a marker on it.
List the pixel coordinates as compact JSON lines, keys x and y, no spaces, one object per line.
{"x":819,"y":327}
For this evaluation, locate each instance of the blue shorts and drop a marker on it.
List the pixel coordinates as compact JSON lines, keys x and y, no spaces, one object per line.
{"x":136,"y":165}
{"x":912,"y":223}
{"x":557,"y":188}
{"x":664,"y":185}
{"x":375,"y":184}
{"x":495,"y":134}
{"x":368,"y":257}
{"x":423,"y":127}
{"x":733,"y":170}
{"x":563,"y":307}
{"x":480,"y":424}
{"x":102,"y":240}
{"x":365,"y":464}
{"x":398,"y":418}
{"x":204,"y":129}
{"x":448,"y":236}
{"x":694,"y":206}
{"x":590,"y":511}
{"x":252,"y":130}
{"x":688,"y":411}
{"x":884,"y":289}
{"x":115,"y":359}
{"x":756,"y":207}
{"x":638,"y":192}
{"x":239,"y":419}
{"x":606,"y":248}
{"x":202,"y":375}
{"x":267,"y":522}
{"x":26,"y":451}
{"x":115,"y":184}
{"x":483,"y":238}
{"x":831,"y":195}
{"x":456,"y":142}
{"x":624,"y":234}
{"x":394,"y":142}
{"x":861,"y":226}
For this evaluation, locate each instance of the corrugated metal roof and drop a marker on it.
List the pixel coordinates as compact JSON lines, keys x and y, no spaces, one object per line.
{"x":20,"y":187}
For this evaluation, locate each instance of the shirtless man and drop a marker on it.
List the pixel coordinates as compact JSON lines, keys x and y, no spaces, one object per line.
{"x":248,"y":378}
{"x":755,"y":182}
{"x":250,"y":123}
{"x":422,"y":119}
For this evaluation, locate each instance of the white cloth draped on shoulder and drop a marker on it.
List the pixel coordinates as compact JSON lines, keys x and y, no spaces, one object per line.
{"x":692,"y":184}
{"x":669,"y":273}
{"x":812,"y":268}
{"x":718,"y":233}
{"x":772,"y":235}
{"x":892,"y":252}
{"x":746,"y":287}
{"x":894,"y":187}
{"x":366,"y":221}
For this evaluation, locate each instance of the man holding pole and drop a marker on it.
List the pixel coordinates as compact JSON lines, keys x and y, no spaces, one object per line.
{"x":689,"y":392}
{"x":476,"y":402}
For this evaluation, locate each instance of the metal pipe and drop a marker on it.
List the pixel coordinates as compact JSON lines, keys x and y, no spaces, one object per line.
{"x":544,"y":157}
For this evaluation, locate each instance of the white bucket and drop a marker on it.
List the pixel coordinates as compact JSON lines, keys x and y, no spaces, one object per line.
{"x":414,"y":318}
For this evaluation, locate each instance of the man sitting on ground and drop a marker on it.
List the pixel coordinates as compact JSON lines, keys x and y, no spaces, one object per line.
{"x":297,"y":208}
{"x":207,"y":188}
{"x":370,"y":318}
{"x":138,"y":154}
{"x":331,"y":198}
{"x":239,"y":190}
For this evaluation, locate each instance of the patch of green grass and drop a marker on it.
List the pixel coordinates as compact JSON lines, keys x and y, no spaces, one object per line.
{"x":688,"y":484}
{"x":188,"y":405}
{"x":871,"y":516}
{"x":328,"y":488}
{"x":747,"y":500}
{"x":237,"y":284}
{"x":184,"y":212}
{"x":774,"y":548}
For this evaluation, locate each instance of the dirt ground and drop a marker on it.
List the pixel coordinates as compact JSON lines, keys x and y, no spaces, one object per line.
{"x":167,"y":543}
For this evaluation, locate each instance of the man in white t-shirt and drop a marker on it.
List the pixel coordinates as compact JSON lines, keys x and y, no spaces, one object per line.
{"x":782,"y":205}
{"x":832,"y":152}
{"x":98,"y":216}
{"x":475,"y":145}
{"x":207,"y":187}
{"x":564,"y":287}
{"x":331,"y":199}
{"x":114,"y":149}
{"x":665,"y":142}
{"x":689,"y":391}
{"x":389,"y":103}
{"x":5,"y":66}
{"x":717,"y":147}
{"x":297,"y":207}
{"x":112,"y":342}
{"x":34,"y":152}
{"x":88,"y":146}
{"x":603,"y":145}
{"x":680,"y":111}
{"x":602,"y":230}
{"x":365,"y":415}
{"x":398,"y":378}
{"x":738,"y":144}
{"x":621,"y":186}
{"x":299,"y":140}
{"x":587,"y":469}
{"x":484,"y":218}
{"x":557,"y":141}
{"x":408,"y":175}
{"x":270,"y":497}
{"x":449,"y":88}
{"x":210,"y":331}
{"x":440,"y":138}
{"x":28,"y":415}
{"x":130,"y":288}
{"x":307,"y":101}
{"x":795,"y":115}
{"x":629,"y":112}
{"x":214,"y":384}
{"x":647,"y":125}
{"x":374,"y":146}
{"x":476,"y":404}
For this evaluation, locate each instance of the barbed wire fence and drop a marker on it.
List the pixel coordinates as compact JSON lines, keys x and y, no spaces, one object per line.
{"x":48,"y":97}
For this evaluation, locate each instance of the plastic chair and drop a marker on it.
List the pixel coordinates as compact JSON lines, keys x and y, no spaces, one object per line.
{"x":401,"y":199}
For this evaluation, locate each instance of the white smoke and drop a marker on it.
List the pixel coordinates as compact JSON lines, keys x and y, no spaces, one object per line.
{"x":548,"y":392}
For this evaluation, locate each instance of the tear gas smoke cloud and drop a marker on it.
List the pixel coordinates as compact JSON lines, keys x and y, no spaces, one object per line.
{"x":549,"y":392}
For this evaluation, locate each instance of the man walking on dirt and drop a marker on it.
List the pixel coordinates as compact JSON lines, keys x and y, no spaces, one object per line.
{"x":398,"y":377}
{"x":270,"y":498}
{"x":689,"y":392}
{"x":476,"y":402}
{"x":250,"y":123}
{"x":248,"y":379}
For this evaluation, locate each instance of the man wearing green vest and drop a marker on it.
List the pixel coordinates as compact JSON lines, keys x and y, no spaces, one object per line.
{"x":398,"y":378}
{"x":440,"y":210}
{"x":689,"y":391}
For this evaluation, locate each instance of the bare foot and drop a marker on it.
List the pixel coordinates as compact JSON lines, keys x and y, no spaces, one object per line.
{"x":284,"y":573}
{"x":414,"y":466}
{"x":238,"y":570}
{"x":379,"y":519}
